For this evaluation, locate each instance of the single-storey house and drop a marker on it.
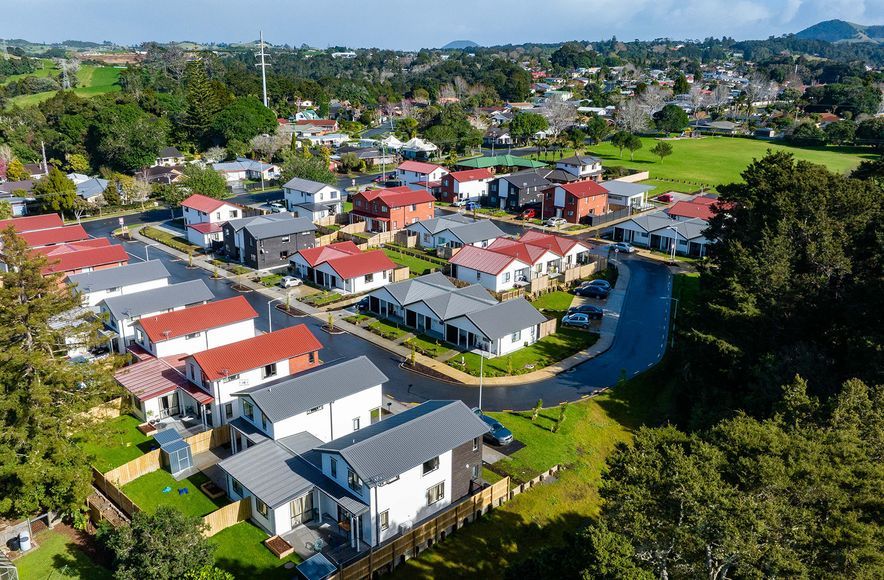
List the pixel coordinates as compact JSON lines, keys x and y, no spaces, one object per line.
{"x":169,"y":157}
{"x":658,"y":231}
{"x":344,"y":267}
{"x":55,"y":236}
{"x":243,"y":168}
{"x":626,"y":194}
{"x":455,"y":231}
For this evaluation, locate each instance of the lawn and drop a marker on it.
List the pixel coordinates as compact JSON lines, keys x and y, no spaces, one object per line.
{"x":557,"y":301}
{"x":147,"y":493}
{"x":175,"y":242}
{"x":58,"y":557}
{"x":240,"y":550}
{"x":387,"y":330}
{"x":92,"y":81}
{"x":429,"y":346}
{"x":115,"y":442}
{"x":417,"y":266}
{"x":662,"y":186}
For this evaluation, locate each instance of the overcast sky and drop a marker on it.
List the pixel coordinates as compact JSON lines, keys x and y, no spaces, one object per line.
{"x":412,"y":24}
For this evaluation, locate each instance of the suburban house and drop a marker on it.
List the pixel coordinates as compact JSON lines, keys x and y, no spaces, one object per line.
{"x":32,"y":223}
{"x":18,"y":206}
{"x":410,"y":172}
{"x":495,"y":137}
{"x":575,"y":202}
{"x":312,"y":199}
{"x":196,"y":328}
{"x":371,"y":156}
{"x":626,"y":194}
{"x":344,"y":267}
{"x":326,"y":402}
{"x":85,"y":256}
{"x":659,"y":231}
{"x":455,"y":231}
{"x":495,"y":271}
{"x":304,"y":127}
{"x":516,"y":191}
{"x":154,"y":385}
{"x":36,"y":170}
{"x":582,"y":166}
{"x":122,"y":311}
{"x":243,"y":168}
{"x":370,"y":485}
{"x":470,"y":184}
{"x":389,"y":210}
{"x":55,"y":236}
{"x":700,"y":207}
{"x":333,"y":140}
{"x":204,"y":217}
{"x":161,"y":174}
{"x":500,"y":163}
{"x":96,"y":286}
{"x":228,"y":369}
{"x":418,"y":149}
{"x":267,"y":241}
{"x":468,"y":317}
{"x":91,"y":189}
{"x":168,"y":157}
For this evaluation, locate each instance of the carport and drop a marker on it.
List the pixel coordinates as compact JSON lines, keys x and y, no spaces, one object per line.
{"x":175,"y":451}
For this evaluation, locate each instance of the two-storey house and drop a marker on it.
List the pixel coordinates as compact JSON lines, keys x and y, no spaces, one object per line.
{"x":204,"y":216}
{"x":267,"y":241}
{"x":582,"y":166}
{"x":576,"y":202}
{"x":94,"y":287}
{"x":389,"y":210}
{"x":312,"y":199}
{"x":468,"y":185}
{"x":411,"y":172}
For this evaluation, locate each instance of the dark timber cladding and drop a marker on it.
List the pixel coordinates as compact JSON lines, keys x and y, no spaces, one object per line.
{"x":463,"y":460}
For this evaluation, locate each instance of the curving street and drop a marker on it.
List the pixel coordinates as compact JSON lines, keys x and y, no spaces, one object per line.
{"x":639,"y":344}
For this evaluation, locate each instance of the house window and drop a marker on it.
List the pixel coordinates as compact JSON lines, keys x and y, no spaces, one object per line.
{"x":431,"y":465}
{"x":263,"y":421}
{"x":570,"y":213}
{"x":285,"y":239}
{"x":414,"y":207}
{"x":236,"y":487}
{"x":384,"y":209}
{"x":315,"y":409}
{"x":478,"y":275}
{"x":192,"y":335}
{"x":517,"y":335}
{"x":114,"y":289}
{"x":353,"y":480}
{"x":356,"y":424}
{"x":334,"y":467}
{"x":436,"y":493}
{"x":262,"y":507}
{"x":385,"y":519}
{"x":311,"y":357}
{"x":269,"y":371}
{"x":228,"y":411}
{"x":475,"y":444}
{"x":218,"y":215}
{"x":475,"y":471}
{"x":369,"y":278}
{"x":230,"y":378}
{"x":248,"y":410}
{"x":233,"y":213}
{"x":506,"y":277}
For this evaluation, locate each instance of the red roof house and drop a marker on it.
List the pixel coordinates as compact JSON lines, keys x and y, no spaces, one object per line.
{"x":344,"y":267}
{"x":33,"y":223}
{"x":386,"y":210}
{"x":698,"y":208}
{"x":575,"y":201}
{"x":53,"y":236}
{"x":471,"y":184}
{"x":412,"y":172}
{"x":84,"y":256}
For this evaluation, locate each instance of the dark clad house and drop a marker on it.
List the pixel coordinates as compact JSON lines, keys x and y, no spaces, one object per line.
{"x":264,"y":242}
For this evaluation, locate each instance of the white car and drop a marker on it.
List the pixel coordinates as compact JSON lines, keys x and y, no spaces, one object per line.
{"x":622,"y":247}
{"x":277,"y":207}
{"x":555,"y":222}
{"x":289,"y":281}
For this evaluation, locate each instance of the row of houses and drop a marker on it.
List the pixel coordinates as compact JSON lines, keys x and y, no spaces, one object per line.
{"x":681,"y":228}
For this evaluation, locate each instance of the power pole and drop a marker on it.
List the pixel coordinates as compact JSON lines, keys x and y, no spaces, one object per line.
{"x":263,"y":66}
{"x":5,"y":53}
{"x":65,"y":81}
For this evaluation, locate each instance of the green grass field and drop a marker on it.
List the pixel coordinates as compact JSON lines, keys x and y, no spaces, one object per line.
{"x":47,"y":70}
{"x":147,"y":493}
{"x":417,"y":266}
{"x":92,"y":81}
{"x":58,"y":557}
{"x":112,"y":443}
{"x":240,"y":551}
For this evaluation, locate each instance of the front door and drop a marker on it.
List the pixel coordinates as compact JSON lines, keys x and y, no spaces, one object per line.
{"x":302,"y":510}
{"x":410,"y":318}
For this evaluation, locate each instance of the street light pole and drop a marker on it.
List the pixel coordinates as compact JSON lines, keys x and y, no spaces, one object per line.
{"x":146,"y":246}
{"x":270,"y":313}
{"x":481,"y":374}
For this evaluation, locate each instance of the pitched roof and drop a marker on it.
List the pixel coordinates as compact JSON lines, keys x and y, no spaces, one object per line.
{"x":150,"y":378}
{"x":369,"y":262}
{"x":459,"y":302}
{"x":203,"y":203}
{"x":557,"y":244}
{"x":525,"y":252}
{"x":120,"y":276}
{"x":656,"y":221}
{"x":291,"y":396}
{"x":398,"y":196}
{"x":471,"y":175}
{"x":691,"y":209}
{"x":482,"y":260}
{"x":418,"y":167}
{"x":92,"y":187}
{"x":33,"y":223}
{"x":505,"y":318}
{"x":477,"y":231}
{"x":435,"y":225}
{"x":196,"y":318}
{"x":86,"y":258}
{"x":320,"y":254}
{"x":415,"y":289}
{"x":625,"y":188}
{"x":306,"y":185}
{"x":240,"y":223}
{"x":403,"y":441}
{"x":256,"y":352}
{"x":579,"y":160}
{"x":262,"y":230}
{"x":61,"y":235}
{"x":583,"y":189}
{"x":500,"y":160}
{"x":525,"y":179}
{"x":206,"y":227}
{"x":158,"y":299}
{"x":170,"y":152}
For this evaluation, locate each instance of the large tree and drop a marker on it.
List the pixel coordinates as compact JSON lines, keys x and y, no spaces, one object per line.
{"x":243,"y":119}
{"x":55,"y":192}
{"x":204,"y":180}
{"x":42,"y":393}
{"x":202,"y":103}
{"x":312,"y":168}
{"x":127,"y":138}
{"x":525,"y":125}
{"x":671,"y":118}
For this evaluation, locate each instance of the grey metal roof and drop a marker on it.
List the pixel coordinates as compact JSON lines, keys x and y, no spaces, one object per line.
{"x":158,"y":299}
{"x":254,"y":434}
{"x":525,"y":179}
{"x":293,"y":395}
{"x":579,"y":160}
{"x":276,"y":475}
{"x":240,"y":223}
{"x":505,"y":318}
{"x":120,"y":276}
{"x":625,"y":188}
{"x":403,"y":441}
{"x":656,"y":221}
{"x":436,"y":225}
{"x":321,"y":206}
{"x":306,"y":185}
{"x":459,"y":302}
{"x":276,"y":228}
{"x":93,"y":187}
{"x":416,"y":289}
{"x":476,"y":231}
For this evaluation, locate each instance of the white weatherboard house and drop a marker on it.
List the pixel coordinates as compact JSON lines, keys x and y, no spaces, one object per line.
{"x":311,"y":199}
{"x":204,"y":216}
{"x":468,"y":318}
{"x":98,"y":285}
{"x":411,"y":172}
{"x":582,"y":166}
{"x":455,"y":231}
{"x":328,"y":402}
{"x":196,"y":328}
{"x":658,"y":231}
{"x":344,"y":267}
{"x":122,"y":311}
{"x":495,"y":271}
{"x":369,"y":485}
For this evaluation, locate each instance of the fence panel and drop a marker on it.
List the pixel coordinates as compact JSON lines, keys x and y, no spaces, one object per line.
{"x":400,"y":274}
{"x":206,"y":440}
{"x":127,"y":472}
{"x":114,"y":494}
{"x":229,"y":515}
{"x":632,"y":178}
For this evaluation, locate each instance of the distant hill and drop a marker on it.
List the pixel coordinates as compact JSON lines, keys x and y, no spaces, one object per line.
{"x":460,"y":45}
{"x":841,"y":31}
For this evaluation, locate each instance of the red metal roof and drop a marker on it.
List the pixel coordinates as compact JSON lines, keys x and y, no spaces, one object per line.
{"x":525,"y":252}
{"x":482,"y":260}
{"x":33,"y":223}
{"x":316,"y":122}
{"x":70,"y":261}
{"x":150,"y":379}
{"x":317,"y":255}
{"x":253,"y":353}
{"x":419,"y":167}
{"x":60,"y":235}
{"x":398,"y":196}
{"x":557,"y":244}
{"x":581,"y":189}
{"x":471,"y":175}
{"x":203,"y":203}
{"x":197,"y":318}
{"x":67,"y":248}
{"x":359,"y":265}
{"x":690,"y":209}
{"x":207,"y":227}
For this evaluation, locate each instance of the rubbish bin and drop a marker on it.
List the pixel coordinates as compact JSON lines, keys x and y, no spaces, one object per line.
{"x":24,"y":541}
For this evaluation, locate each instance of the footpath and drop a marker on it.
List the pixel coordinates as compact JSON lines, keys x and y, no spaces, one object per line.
{"x":436,"y":368}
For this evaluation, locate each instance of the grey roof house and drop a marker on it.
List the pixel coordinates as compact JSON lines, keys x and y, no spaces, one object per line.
{"x":312,"y":199}
{"x":455,"y":231}
{"x":267,"y":241}
{"x":98,"y":285}
{"x":92,"y":189}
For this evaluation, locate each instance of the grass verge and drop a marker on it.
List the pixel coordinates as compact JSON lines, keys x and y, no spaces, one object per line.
{"x":167,"y":239}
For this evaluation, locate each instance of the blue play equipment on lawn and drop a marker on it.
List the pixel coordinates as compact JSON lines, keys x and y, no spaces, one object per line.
{"x":182,"y":491}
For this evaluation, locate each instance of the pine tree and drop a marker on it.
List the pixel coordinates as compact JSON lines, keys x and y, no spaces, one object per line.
{"x":201,"y":100}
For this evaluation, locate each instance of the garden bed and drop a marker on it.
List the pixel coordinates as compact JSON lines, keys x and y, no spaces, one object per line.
{"x":386,"y":330}
{"x":175,"y":242}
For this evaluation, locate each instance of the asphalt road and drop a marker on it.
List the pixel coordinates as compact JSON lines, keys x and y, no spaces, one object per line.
{"x":639,"y":344}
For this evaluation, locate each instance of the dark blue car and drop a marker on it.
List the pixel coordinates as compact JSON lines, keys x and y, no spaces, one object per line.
{"x":591,"y":292}
{"x":498,"y":435}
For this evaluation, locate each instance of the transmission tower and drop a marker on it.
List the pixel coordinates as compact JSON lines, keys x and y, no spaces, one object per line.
{"x":65,"y":81}
{"x":5,"y":54}
{"x":262,"y":53}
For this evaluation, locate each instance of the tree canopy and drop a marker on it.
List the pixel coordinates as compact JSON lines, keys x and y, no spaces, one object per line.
{"x":128,"y":139}
{"x":243,"y":119}
{"x":525,"y":125}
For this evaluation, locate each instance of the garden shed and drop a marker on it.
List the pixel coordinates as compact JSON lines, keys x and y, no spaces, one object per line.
{"x":175,"y":451}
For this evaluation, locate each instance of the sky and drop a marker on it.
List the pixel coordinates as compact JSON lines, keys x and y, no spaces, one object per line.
{"x":413,"y":24}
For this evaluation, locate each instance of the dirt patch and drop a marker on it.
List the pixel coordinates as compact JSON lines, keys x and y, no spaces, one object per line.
{"x":85,"y":541}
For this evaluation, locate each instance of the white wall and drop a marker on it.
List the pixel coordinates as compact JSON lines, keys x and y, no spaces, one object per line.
{"x":351,"y":285}
{"x":335,"y":419}
{"x":222,"y":214}
{"x":471,"y":189}
{"x":204,"y":340}
{"x":507,"y":344}
{"x":296,"y":196}
{"x":505,"y":280}
{"x":93,"y":298}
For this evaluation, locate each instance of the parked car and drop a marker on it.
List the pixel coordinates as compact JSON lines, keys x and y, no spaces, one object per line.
{"x":528,"y":214}
{"x":622,"y":247}
{"x":471,"y":205}
{"x":593,"y":312}
{"x":666,"y":197}
{"x":576,"y":319}
{"x":277,"y":207}
{"x":600,"y":282}
{"x":498,"y":435}
{"x":290,"y":281}
{"x":591,"y":292}
{"x":362,"y":304}
{"x":555,"y":222}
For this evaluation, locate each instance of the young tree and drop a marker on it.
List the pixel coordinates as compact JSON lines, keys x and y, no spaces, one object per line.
{"x":111,"y":193}
{"x":681,"y":86}
{"x":597,"y":129}
{"x":165,"y":545}
{"x":5,"y":210}
{"x":171,"y":194}
{"x":662,"y":149}
{"x":204,"y":180}
{"x":16,"y":171}
{"x":55,"y":192}
{"x":525,"y":125}
{"x":634,"y":143}
{"x":620,"y":140}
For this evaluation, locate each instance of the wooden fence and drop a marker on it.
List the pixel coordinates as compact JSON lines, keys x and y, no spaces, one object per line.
{"x":206,"y":440}
{"x":585,"y":270}
{"x":547,"y":328}
{"x":131,"y":471}
{"x":109,"y":410}
{"x":109,"y":488}
{"x":400,"y":274}
{"x":229,"y":515}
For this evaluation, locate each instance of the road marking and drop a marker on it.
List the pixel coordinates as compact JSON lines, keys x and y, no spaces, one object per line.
{"x":134,"y":256}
